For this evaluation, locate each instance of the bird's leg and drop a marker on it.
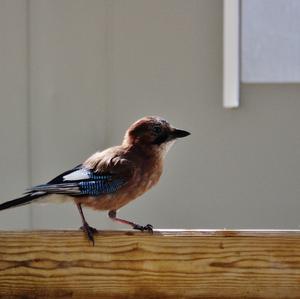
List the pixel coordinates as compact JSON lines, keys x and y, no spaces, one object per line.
{"x":90,"y":231}
{"x":113,"y":215}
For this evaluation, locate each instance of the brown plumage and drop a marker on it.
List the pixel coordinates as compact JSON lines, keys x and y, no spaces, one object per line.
{"x":112,"y":178}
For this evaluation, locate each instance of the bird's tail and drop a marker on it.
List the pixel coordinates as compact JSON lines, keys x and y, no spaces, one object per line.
{"x":26,"y":199}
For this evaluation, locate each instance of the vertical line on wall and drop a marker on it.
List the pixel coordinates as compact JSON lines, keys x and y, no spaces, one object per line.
{"x":28,"y":106}
{"x":109,"y":69}
{"x":231,"y":54}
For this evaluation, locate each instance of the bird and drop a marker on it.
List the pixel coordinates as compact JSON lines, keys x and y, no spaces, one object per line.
{"x":112,"y":178}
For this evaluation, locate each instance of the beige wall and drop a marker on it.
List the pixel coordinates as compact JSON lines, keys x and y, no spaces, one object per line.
{"x":90,"y":68}
{"x":14,"y":154}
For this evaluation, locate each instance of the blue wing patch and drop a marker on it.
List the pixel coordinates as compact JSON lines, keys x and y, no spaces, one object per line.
{"x":100,"y":186}
{"x":81,"y":181}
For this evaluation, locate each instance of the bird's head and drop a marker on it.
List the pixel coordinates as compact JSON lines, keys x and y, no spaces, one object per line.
{"x":153,"y":132}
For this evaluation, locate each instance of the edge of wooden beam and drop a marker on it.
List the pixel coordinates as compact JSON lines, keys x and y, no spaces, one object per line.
{"x":166,"y":232}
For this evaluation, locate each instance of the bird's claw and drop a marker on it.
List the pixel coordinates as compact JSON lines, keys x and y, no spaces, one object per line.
{"x":90,"y":232}
{"x":142,"y":228}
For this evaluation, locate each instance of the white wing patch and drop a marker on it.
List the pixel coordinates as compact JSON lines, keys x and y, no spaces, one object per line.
{"x":76,"y":175}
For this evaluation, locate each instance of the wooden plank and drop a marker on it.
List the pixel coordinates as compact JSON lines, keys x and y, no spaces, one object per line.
{"x":167,"y":264}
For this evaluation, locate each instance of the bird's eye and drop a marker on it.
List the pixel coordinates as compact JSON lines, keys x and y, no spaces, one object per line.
{"x":157,"y":129}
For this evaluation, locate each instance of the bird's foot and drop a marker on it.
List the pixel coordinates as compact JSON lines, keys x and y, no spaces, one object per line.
{"x":90,"y":232}
{"x":142,"y":228}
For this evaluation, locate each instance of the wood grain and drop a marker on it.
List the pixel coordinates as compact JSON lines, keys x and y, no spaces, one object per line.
{"x":167,"y":264}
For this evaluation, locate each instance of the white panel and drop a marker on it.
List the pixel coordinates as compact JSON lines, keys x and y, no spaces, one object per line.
{"x":68,"y":93}
{"x":14,"y":171}
{"x":231,"y":62}
{"x":270,"y":41}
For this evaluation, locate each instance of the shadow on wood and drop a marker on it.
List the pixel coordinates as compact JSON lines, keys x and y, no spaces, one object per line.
{"x":167,"y":264}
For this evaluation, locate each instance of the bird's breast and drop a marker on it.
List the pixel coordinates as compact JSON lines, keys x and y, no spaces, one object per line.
{"x":147,"y":178}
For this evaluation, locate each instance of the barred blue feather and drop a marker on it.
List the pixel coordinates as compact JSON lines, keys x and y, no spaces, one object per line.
{"x":81,"y":181}
{"x":100,"y":186}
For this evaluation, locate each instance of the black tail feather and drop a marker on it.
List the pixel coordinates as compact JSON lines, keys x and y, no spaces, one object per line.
{"x":26,"y":199}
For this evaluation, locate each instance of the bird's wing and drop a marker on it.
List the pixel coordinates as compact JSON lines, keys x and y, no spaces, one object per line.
{"x":86,"y":181}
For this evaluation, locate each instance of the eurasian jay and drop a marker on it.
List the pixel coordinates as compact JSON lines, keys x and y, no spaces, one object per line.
{"x":110,"y":179}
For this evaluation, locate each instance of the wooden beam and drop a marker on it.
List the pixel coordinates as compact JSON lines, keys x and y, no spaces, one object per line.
{"x":167,"y":264}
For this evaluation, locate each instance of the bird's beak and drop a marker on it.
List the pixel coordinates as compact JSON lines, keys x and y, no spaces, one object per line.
{"x":176,"y":133}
